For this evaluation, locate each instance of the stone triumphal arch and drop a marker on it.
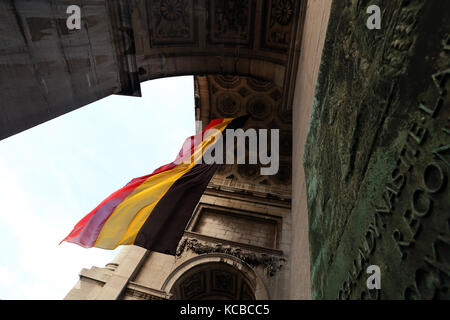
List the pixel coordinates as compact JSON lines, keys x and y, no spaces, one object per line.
{"x":380,"y":105}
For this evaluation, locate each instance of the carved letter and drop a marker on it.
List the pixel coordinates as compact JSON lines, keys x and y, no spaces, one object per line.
{"x":421,"y":203}
{"x":398,"y":179}
{"x":439,"y":153}
{"x":398,"y":237}
{"x":369,"y":245}
{"x":413,"y":223}
{"x":378,"y":224}
{"x":438,"y":248}
{"x":433,"y":178}
{"x":431,"y":112}
{"x":417,"y":133}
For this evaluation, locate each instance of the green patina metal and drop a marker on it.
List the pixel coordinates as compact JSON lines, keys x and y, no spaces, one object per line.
{"x":377,"y":159}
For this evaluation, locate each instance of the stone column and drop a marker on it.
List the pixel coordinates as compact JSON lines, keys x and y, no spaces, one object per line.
{"x":314,"y":31}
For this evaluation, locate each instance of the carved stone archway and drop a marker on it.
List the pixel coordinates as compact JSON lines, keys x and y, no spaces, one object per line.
{"x":122,"y":43}
{"x":247,"y":284}
{"x":212,"y":281}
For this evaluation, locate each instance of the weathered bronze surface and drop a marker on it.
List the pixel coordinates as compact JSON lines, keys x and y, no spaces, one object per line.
{"x":377,"y":159}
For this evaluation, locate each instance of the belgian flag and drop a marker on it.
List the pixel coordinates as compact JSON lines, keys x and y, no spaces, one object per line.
{"x":152,"y":211}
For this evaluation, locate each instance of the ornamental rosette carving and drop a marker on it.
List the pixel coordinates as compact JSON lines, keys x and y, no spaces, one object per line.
{"x":283,"y":10}
{"x":171,"y":10}
{"x":171,"y":21}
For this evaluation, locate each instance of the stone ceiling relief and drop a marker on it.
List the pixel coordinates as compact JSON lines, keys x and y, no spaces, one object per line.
{"x":213,"y":281}
{"x":231,"y":22}
{"x":145,"y":40}
{"x":233,"y":96}
{"x":247,"y":38}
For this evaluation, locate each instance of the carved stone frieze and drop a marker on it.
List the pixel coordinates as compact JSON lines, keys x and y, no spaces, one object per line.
{"x":230,"y":21}
{"x":232,"y":96}
{"x":270,"y":263}
{"x":280,"y":15}
{"x":172,"y":21}
{"x":141,"y":295}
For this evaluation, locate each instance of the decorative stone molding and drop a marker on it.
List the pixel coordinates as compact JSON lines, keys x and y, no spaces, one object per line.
{"x":231,"y":21}
{"x":142,"y":292}
{"x":271,"y":263}
{"x":172,"y":22}
{"x":228,"y":104}
{"x":232,"y":96}
{"x":260,"y":108}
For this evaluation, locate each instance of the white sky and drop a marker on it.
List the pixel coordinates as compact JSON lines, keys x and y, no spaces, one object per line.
{"x":54,"y":174}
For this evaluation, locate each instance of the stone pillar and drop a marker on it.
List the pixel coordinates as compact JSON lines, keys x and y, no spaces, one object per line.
{"x":314,"y":31}
{"x":377,"y":154}
{"x":109,"y":283}
{"x":129,"y":261}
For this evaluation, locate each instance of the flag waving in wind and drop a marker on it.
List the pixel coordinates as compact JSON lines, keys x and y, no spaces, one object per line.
{"x":152,"y":211}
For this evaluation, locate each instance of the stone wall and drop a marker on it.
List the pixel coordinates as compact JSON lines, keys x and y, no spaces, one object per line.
{"x":313,"y":37}
{"x":377,"y":154}
{"x":238,"y":228}
{"x":47,"y":70}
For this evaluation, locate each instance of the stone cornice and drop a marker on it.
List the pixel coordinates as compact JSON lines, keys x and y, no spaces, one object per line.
{"x":271,"y":260}
{"x":143,"y":292}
